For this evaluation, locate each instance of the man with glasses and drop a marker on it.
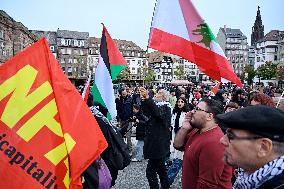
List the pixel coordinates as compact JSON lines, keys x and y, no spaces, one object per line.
{"x":199,"y":137}
{"x":254,"y":142}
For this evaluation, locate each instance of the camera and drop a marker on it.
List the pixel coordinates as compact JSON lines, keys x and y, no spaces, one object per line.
{"x":132,"y":119}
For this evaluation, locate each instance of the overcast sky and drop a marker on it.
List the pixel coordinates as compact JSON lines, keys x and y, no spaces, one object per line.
{"x":131,"y":19}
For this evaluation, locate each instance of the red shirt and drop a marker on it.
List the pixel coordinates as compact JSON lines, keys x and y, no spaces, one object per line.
{"x":203,"y":165}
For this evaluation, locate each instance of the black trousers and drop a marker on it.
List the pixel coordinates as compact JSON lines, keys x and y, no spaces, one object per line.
{"x":157,"y":167}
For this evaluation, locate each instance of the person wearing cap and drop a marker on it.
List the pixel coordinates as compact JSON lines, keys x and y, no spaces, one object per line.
{"x":254,"y":142}
{"x":199,"y":138}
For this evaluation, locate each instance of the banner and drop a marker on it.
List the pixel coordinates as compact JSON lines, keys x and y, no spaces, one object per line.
{"x":48,"y":135}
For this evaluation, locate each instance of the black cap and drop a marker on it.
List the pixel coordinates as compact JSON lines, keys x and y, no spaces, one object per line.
{"x":261,"y":120}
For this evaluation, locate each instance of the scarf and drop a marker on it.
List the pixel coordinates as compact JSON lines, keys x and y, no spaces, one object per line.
{"x":177,"y":126}
{"x":256,"y":179}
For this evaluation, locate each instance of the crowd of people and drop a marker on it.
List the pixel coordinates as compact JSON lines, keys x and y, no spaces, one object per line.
{"x":234,"y":138}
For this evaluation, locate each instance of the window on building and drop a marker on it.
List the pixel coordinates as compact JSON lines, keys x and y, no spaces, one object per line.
{"x":68,"y":41}
{"x":63,"y":51}
{"x":2,"y":46}
{"x":258,"y":59}
{"x":76,"y":44}
{"x":133,"y":53}
{"x":1,"y":34}
{"x":159,"y":77}
{"x":275,"y":57}
{"x":70,"y":61}
{"x":68,"y":51}
{"x":263,"y":50}
{"x":128,"y":61}
{"x":81,"y":43}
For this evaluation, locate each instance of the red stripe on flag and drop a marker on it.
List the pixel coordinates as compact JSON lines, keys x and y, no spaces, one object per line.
{"x":86,"y":90}
{"x":212,"y":64}
{"x":215,"y":88}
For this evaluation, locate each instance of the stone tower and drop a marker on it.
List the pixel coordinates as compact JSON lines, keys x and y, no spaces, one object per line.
{"x":257,"y":29}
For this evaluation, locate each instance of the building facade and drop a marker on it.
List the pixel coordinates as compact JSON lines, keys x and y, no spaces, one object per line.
{"x":251,"y":55}
{"x":50,"y":36}
{"x":267,"y":48}
{"x":281,"y":49}
{"x":234,"y":44}
{"x":14,"y":37}
{"x":72,"y":53}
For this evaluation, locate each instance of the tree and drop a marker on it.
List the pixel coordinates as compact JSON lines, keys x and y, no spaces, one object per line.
{"x":150,"y":74}
{"x":267,"y":70}
{"x":249,"y":74}
{"x":179,"y":72}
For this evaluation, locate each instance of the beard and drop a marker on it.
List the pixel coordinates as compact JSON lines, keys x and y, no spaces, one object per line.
{"x":196,"y":124}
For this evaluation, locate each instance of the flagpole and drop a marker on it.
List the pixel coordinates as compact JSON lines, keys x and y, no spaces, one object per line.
{"x":151,"y":25}
{"x":280,"y":99}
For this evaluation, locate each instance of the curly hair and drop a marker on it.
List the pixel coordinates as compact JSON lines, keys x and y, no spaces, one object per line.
{"x":263,"y":99}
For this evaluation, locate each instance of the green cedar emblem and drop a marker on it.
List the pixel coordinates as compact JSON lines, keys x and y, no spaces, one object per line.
{"x":206,"y":33}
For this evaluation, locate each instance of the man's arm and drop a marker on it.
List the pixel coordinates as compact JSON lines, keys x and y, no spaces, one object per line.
{"x":181,"y":136}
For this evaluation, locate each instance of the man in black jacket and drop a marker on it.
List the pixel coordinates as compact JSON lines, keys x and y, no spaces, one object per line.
{"x":157,"y":139}
{"x":124,"y":112}
{"x":254,"y":142}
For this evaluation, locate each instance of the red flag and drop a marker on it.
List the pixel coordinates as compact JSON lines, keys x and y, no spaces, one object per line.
{"x":86,"y":90}
{"x":48,"y":136}
{"x":178,"y":29}
{"x":215,"y":88}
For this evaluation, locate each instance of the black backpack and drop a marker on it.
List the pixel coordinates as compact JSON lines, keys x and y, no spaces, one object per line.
{"x":120,"y":156}
{"x":117,"y":152}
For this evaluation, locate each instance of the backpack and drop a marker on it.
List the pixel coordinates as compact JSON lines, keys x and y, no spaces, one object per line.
{"x":118,"y":153}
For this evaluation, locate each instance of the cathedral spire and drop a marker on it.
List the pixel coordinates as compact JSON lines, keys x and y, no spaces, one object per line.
{"x":257,"y":29}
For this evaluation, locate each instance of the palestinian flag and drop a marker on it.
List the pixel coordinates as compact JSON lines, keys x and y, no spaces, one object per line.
{"x":215,"y":88}
{"x":111,"y":63}
{"x":178,"y":29}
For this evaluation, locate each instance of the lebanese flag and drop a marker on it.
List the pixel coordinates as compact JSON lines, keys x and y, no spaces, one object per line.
{"x":111,"y":63}
{"x":178,"y":29}
{"x":48,"y":135}
{"x":86,"y":90}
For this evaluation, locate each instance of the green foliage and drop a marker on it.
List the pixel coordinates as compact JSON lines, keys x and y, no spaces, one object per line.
{"x":179,"y":72}
{"x":249,"y":74}
{"x":267,"y":70}
{"x":150,"y":75}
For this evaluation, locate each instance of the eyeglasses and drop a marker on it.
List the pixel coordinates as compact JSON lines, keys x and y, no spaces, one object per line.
{"x":199,"y":109}
{"x":231,"y":136}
